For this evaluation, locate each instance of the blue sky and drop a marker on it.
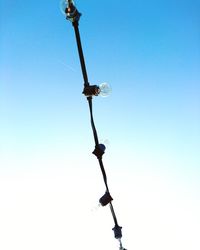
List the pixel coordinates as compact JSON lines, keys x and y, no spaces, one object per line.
{"x":149,"y":51}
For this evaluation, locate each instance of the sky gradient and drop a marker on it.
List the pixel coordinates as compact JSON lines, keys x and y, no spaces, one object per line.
{"x":50,"y":183}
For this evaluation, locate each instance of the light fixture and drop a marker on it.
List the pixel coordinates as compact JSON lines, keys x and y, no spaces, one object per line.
{"x":99,"y":150}
{"x":103,"y":90}
{"x":71,"y":13}
{"x":105,"y":199}
{"x":69,"y":9}
{"x":117,"y":231}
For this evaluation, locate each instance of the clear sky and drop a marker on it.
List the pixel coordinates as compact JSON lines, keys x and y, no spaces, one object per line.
{"x":50,"y":183}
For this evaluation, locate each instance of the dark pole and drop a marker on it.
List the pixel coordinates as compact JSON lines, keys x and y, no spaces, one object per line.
{"x":73,"y":15}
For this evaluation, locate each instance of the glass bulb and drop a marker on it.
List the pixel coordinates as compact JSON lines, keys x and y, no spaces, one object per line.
{"x":105,"y":89}
{"x":64,"y":4}
{"x":106,"y":142}
{"x":96,"y":208}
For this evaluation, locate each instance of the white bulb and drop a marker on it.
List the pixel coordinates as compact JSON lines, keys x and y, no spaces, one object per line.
{"x":106,"y":142}
{"x":105,"y":89}
{"x":96,"y":208}
{"x":64,"y":4}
